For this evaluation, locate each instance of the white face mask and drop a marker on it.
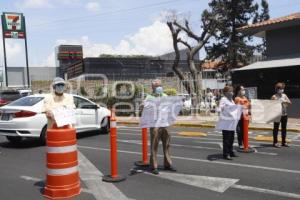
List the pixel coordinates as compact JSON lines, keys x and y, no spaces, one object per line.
{"x":281,"y":91}
{"x":243,"y":92}
{"x":59,"y":89}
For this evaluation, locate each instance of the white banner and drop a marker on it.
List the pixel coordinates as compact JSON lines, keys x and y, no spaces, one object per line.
{"x":265,"y":111}
{"x":229,"y":117}
{"x":160,"y":111}
{"x":64,"y":116}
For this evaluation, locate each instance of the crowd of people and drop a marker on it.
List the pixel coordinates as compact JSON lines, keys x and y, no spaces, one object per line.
{"x":233,"y":99}
{"x":238,"y":100}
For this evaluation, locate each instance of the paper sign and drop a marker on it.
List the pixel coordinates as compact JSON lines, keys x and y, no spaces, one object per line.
{"x":160,"y":111}
{"x":229,"y":118}
{"x":64,"y":116}
{"x":265,"y":111}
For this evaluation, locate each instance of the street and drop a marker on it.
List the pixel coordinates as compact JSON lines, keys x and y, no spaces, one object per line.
{"x":269,"y":173}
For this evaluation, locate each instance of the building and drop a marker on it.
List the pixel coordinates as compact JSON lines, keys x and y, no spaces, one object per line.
{"x":282,"y":60}
{"x":17,"y":76}
{"x":127,"y":67}
{"x":67,"y":55}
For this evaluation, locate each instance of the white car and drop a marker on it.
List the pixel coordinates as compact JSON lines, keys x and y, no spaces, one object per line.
{"x":23,"y":118}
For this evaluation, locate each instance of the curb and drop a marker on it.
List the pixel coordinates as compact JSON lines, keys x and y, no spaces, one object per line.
{"x":297,"y":130}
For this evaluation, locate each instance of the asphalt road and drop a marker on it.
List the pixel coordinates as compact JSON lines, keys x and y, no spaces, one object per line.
{"x":268,"y":173}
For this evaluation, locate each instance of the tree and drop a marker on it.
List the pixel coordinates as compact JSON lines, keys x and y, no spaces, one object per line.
{"x":263,"y":15}
{"x":180,"y":29}
{"x":229,"y":46}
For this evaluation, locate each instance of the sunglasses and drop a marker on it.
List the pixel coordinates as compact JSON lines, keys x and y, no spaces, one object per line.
{"x":60,"y":84}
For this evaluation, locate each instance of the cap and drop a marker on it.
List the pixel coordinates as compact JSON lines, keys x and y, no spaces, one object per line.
{"x":58,"y":80}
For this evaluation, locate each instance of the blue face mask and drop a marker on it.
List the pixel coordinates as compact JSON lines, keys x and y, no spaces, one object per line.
{"x":159,"y":90}
{"x":59,"y":89}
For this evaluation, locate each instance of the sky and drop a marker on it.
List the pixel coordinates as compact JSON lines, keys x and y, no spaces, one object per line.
{"x":104,"y":26}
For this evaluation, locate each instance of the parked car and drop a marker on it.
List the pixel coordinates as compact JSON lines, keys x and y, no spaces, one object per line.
{"x":25,"y":92}
{"x":7,"y":96}
{"x":23,"y":118}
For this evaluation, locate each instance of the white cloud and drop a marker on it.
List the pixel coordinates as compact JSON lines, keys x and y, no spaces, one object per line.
{"x":69,"y":2}
{"x":49,"y":61}
{"x":34,"y":4}
{"x":93,"y":6}
{"x":15,"y":53}
{"x":152,"y":40}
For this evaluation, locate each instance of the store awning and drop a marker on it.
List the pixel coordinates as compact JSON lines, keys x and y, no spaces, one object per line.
{"x":271,"y":64}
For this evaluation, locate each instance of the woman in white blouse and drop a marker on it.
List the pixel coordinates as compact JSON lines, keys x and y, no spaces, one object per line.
{"x":285,"y":102}
{"x":229,"y":116}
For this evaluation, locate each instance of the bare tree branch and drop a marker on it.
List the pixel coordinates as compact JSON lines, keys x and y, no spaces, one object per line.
{"x":185,"y":43}
{"x":175,"y":66}
{"x":187,"y":29}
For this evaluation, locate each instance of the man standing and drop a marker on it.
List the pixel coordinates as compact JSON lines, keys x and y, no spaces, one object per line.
{"x":57,"y":99}
{"x":158,"y":133}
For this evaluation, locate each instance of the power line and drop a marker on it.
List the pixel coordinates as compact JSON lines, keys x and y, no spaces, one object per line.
{"x":79,"y":18}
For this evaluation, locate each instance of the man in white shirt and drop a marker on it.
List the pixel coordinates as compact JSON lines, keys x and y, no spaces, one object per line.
{"x":57,"y":99}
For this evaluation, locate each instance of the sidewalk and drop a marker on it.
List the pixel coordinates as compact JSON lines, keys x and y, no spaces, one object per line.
{"x":209,"y":122}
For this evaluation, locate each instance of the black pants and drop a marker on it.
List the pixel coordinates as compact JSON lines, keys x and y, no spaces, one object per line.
{"x":240,"y":131}
{"x":283,"y":122}
{"x":228,"y":138}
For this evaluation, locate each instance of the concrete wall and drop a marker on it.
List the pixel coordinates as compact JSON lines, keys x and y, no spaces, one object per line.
{"x":43,"y":73}
{"x":283,"y":42}
{"x":17,"y":76}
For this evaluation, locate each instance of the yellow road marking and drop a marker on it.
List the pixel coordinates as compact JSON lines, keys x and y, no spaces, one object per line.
{"x":268,"y":138}
{"x":192,"y":134}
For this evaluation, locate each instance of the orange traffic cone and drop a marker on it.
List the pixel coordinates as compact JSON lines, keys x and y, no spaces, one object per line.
{"x":62,"y":173}
{"x":114,"y":177}
{"x":144,"y":162}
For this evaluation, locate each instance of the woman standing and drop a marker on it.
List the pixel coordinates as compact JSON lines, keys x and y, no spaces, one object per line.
{"x":285,"y":102}
{"x":241,"y":99}
{"x":229,"y":116}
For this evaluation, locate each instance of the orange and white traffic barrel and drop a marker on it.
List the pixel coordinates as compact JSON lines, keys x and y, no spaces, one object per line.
{"x":62,"y":164}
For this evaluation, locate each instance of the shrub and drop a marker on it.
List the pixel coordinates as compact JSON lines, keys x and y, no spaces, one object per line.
{"x":171,"y":91}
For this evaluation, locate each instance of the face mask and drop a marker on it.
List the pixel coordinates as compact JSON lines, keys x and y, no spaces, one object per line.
{"x":59,"y":89}
{"x":280,"y":91}
{"x":159,"y":90}
{"x":229,"y":95}
{"x":243,"y":92}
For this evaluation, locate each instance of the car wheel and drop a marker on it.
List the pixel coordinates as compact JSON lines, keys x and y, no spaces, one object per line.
{"x":105,"y":126}
{"x":43,"y":136}
{"x":14,"y":140}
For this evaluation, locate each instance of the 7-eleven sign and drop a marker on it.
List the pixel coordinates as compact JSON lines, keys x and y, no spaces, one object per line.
{"x":13,"y":25}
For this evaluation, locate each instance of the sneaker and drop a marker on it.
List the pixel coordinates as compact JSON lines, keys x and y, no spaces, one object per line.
{"x":241,"y":147}
{"x":155,"y":171}
{"x":227,"y":158}
{"x":285,"y":145}
{"x":170,"y":168}
{"x":233,"y":155}
{"x":276,"y":145}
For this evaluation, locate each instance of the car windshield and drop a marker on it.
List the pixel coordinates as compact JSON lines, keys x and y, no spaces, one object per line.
{"x":26,"y":101}
{"x":10,"y":95}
